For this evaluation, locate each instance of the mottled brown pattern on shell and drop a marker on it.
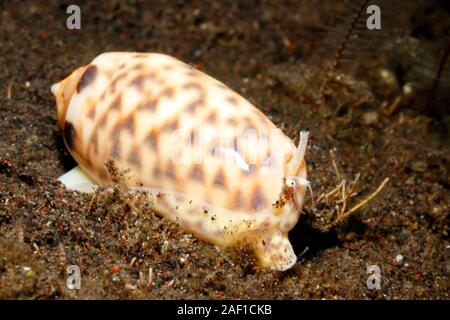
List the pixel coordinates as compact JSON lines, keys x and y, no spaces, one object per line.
{"x":94,"y":143}
{"x":128,"y":123}
{"x":87,"y":78}
{"x":212,"y":117}
{"x":220,"y":179}
{"x":232,"y":100}
{"x":138,"y":82}
{"x":194,"y":105}
{"x":167,"y":93}
{"x":149,"y":105}
{"x":116,"y":104}
{"x":199,"y":102}
{"x":69,"y":134}
{"x":191,"y":85}
{"x":116,"y":80}
{"x":156,"y":171}
{"x":170,"y":125}
{"x":135,"y":156}
{"x":152,"y":139}
{"x":170,"y":170}
{"x":257,"y":198}
{"x":197,"y":173}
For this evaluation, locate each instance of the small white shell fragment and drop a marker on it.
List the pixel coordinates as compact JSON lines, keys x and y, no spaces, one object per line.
{"x":208,"y":158}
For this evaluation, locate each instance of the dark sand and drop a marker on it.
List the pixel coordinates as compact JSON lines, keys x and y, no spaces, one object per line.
{"x":262,"y":51}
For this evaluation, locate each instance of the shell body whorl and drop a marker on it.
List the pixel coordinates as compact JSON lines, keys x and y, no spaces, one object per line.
{"x":189,"y":138}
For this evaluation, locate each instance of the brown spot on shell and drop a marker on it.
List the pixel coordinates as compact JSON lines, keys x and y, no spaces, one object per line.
{"x":138,"y":81}
{"x":156,"y":172}
{"x":171,"y":126}
{"x":94,"y":142}
{"x":87,"y":78}
{"x":257,"y":199}
{"x":116,"y":104}
{"x":192,"y":86}
{"x":232,"y":100}
{"x":199,"y":101}
{"x":128,"y":123}
{"x":197,"y":173}
{"x":135,"y":156}
{"x":192,"y":107}
{"x":170,"y":170}
{"x":212,"y":118}
{"x":116,"y":80}
{"x":69,"y":134}
{"x":152,"y":139}
{"x":150,"y":105}
{"x":220,"y":179}
{"x":168,"y":93}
